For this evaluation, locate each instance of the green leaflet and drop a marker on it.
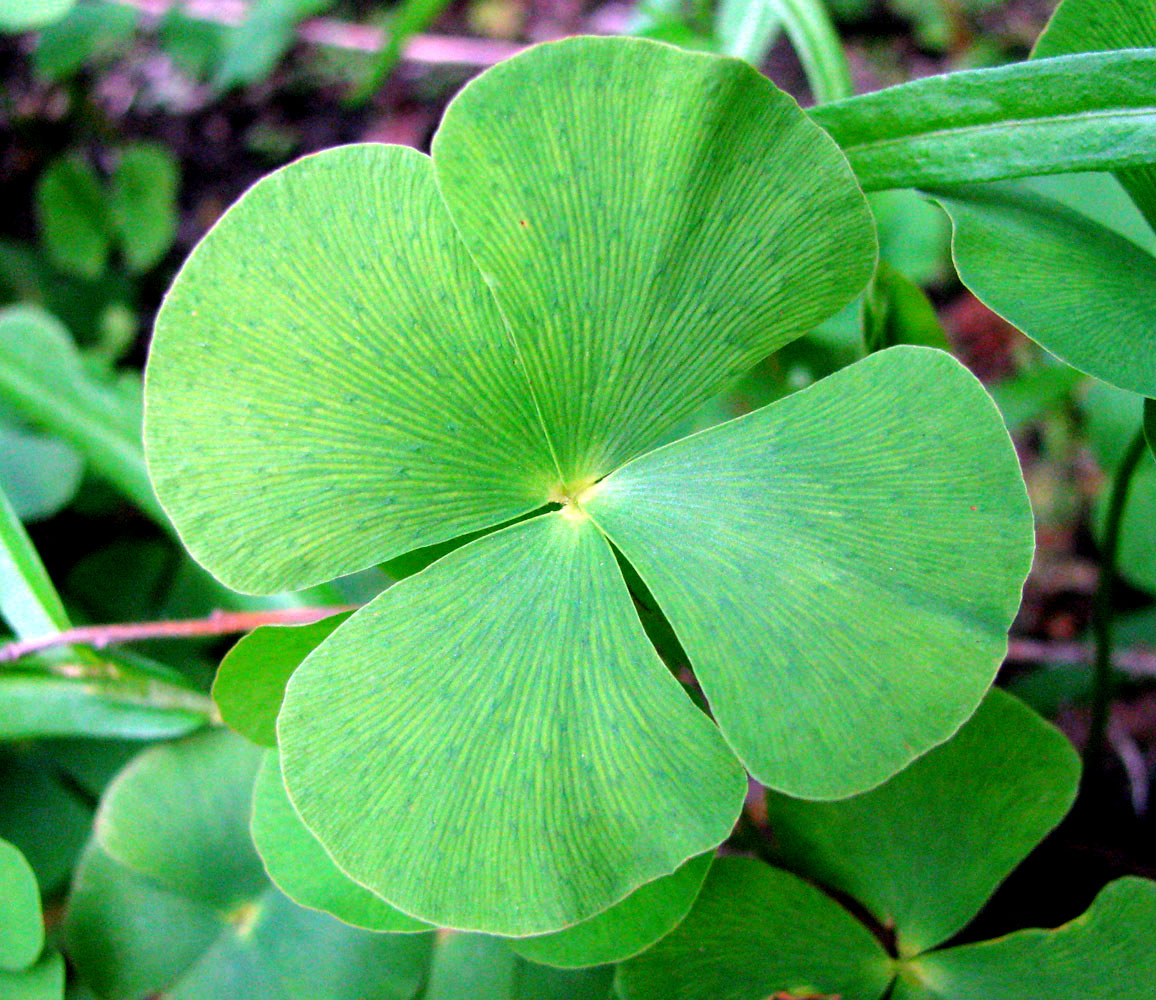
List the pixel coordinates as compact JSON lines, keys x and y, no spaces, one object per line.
{"x":1102,"y":25}
{"x":74,"y":221}
{"x":1076,"y":287}
{"x":143,"y":203}
{"x":918,"y":851}
{"x":759,"y":534}
{"x":24,"y":15}
{"x":43,"y":981}
{"x":1081,"y":112}
{"x":320,"y":464}
{"x":697,"y":253}
{"x":39,"y":474}
{"x":170,"y":896}
{"x":515,"y":671}
{"x":1106,"y":953}
{"x":250,"y":683}
{"x":627,"y":928}
{"x":1150,"y":424}
{"x":21,"y":926}
{"x":300,"y":868}
{"x":918,"y":854}
{"x":756,"y":932}
{"x":818,"y":46}
{"x":896,"y":311}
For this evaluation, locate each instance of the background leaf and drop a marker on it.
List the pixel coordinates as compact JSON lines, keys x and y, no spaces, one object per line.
{"x":74,"y":220}
{"x":918,"y":851}
{"x":143,"y":203}
{"x":23,"y":935}
{"x":756,"y":932}
{"x":996,"y":124}
{"x":23,"y":15}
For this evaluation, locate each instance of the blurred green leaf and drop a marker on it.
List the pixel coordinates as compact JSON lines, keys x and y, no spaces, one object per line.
{"x":747,"y":29}
{"x":817,"y":44}
{"x":895,"y":311}
{"x":250,"y":683}
{"x":44,"y":981}
{"x":407,"y":18}
{"x":1076,"y":287}
{"x":26,"y":15}
{"x":473,"y":967}
{"x":21,"y":925}
{"x":42,"y":377}
{"x":28,"y":601}
{"x":1102,"y":25}
{"x":90,"y":31}
{"x":914,"y":234}
{"x":255,"y":47}
{"x":74,"y":219}
{"x":993,"y":124}
{"x":39,"y":474}
{"x":172,"y":897}
{"x":195,"y":45}
{"x":1029,"y":394}
{"x":143,"y":203}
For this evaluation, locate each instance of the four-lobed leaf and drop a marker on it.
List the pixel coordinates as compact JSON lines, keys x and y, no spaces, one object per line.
{"x":917,"y":854}
{"x":374,"y":352}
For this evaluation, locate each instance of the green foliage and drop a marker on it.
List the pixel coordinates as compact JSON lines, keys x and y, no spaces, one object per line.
{"x":25,"y":15}
{"x":25,"y":973}
{"x":553,"y":332}
{"x":918,"y":855}
{"x":81,"y":221}
{"x":88,"y":32}
{"x":1078,"y":112}
{"x":896,"y":311}
{"x":252,"y":51}
{"x":171,"y":896}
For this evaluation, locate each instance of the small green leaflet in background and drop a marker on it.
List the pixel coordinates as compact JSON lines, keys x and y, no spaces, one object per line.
{"x":1081,"y":290}
{"x":171,"y":897}
{"x":994,"y":124}
{"x":82,"y":219}
{"x":24,"y":973}
{"x":917,"y":853}
{"x":25,"y":15}
{"x":1150,"y":424}
{"x":255,"y":47}
{"x":407,"y":18}
{"x":90,"y":32}
{"x":1106,"y":953}
{"x":1102,"y":25}
{"x":21,"y":925}
{"x":746,"y":29}
{"x":895,"y":311}
{"x":250,"y":682}
{"x":39,"y":474}
{"x":757,"y":932}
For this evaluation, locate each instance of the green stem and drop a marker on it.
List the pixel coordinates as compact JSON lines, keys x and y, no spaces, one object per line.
{"x":1103,"y":607}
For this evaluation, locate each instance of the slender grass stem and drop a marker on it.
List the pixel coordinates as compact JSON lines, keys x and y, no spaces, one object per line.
{"x":1102,"y":609}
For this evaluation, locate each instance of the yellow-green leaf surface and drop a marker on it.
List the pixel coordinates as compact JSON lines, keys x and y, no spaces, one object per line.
{"x":44,"y":981}
{"x":652,"y":222}
{"x":756,"y":933}
{"x":1079,"y":289}
{"x":1098,"y":26}
{"x":353,"y":389}
{"x":515,"y":672}
{"x":21,"y":926}
{"x":300,"y":868}
{"x":841,"y":566}
{"x":250,"y":683}
{"x":629,"y":927}
{"x":918,"y":851}
{"x":1106,"y":954}
{"x":171,"y":898}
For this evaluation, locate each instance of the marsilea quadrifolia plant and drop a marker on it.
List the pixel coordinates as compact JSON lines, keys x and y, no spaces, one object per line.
{"x":377,"y":351}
